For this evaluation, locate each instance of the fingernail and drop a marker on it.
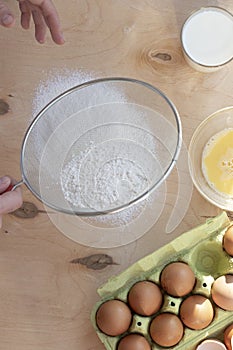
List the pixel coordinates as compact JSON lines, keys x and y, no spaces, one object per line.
{"x":7,"y":19}
{"x":62,"y":38}
{"x":4,"y":180}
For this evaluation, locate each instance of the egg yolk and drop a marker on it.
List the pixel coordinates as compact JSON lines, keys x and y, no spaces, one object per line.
{"x":217,"y":162}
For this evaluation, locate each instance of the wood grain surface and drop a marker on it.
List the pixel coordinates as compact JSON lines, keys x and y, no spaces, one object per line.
{"x":45,"y":298}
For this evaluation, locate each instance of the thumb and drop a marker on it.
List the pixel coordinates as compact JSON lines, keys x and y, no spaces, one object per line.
{"x":6,"y":17}
{"x":5,"y":182}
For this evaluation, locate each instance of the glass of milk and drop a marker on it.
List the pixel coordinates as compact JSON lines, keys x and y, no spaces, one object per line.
{"x":207,"y":39}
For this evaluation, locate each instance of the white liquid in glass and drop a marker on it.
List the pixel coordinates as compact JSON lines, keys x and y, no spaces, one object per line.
{"x":207,"y":36}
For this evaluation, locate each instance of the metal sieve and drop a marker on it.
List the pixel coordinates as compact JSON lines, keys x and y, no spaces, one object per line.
{"x":101,"y":146}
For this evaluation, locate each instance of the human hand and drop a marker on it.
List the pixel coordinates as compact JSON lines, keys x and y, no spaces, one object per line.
{"x":9,"y":201}
{"x":44,"y":15}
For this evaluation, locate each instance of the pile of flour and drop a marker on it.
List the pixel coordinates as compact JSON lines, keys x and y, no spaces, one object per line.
{"x":117,"y":182}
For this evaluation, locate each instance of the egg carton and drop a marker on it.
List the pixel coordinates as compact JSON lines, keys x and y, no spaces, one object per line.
{"x":201,"y":248}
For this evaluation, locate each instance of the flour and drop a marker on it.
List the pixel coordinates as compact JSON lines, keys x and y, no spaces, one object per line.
{"x":102,"y":154}
{"x":116,"y":183}
{"x":57,"y":82}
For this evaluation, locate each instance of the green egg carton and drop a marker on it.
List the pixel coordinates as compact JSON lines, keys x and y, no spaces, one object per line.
{"x":201,"y":248}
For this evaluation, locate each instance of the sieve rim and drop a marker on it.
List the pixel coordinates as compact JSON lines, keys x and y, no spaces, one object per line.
{"x":139,"y":198}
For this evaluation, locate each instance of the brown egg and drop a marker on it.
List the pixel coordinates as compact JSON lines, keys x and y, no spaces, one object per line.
{"x":228,"y":337}
{"x":145,"y":298}
{"x":228,"y":240}
{"x":166,"y":329}
{"x":177,"y":279}
{"x":222,"y":292}
{"x":113,"y":317}
{"x":134,"y":342}
{"x":196,"y":312}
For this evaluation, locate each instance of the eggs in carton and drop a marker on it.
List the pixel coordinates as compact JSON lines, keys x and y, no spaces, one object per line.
{"x":175,"y":298}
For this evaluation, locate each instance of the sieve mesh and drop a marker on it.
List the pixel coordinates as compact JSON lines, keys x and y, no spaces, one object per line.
{"x":101,"y":146}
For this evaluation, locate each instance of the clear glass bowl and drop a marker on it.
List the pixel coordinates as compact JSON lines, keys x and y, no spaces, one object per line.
{"x":213,"y":124}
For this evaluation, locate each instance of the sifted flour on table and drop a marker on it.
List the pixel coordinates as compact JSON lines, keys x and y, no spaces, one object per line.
{"x":57,"y":82}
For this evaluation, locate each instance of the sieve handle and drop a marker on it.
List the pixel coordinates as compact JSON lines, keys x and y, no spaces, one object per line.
{"x":13,"y":187}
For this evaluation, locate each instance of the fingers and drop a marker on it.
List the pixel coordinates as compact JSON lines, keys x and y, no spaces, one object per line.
{"x":5,"y":182}
{"x":28,"y":10}
{"x":40,"y":26}
{"x":44,"y":14}
{"x":10,"y":201}
{"x":52,"y":20}
{"x":6,"y":17}
{"x":25,"y":14}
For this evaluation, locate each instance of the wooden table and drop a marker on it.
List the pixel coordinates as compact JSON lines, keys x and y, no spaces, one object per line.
{"x":45,"y":301}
